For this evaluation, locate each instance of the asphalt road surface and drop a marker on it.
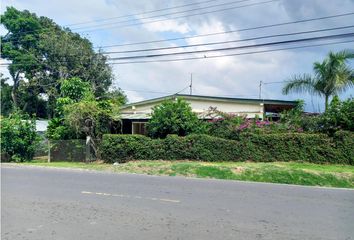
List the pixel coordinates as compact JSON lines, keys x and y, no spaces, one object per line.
{"x":40,"y":203}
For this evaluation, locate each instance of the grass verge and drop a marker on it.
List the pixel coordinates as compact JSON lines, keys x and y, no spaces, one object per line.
{"x":275,"y":172}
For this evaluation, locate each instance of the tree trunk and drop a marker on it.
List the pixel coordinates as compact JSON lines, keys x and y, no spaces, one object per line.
{"x":13,"y":96}
{"x":326,"y":102}
{"x":50,"y":107}
{"x":14,"y":89}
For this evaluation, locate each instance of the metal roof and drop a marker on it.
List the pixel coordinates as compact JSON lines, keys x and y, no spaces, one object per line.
{"x":214,"y":98}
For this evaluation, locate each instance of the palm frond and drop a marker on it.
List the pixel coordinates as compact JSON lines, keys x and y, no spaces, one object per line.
{"x":320,"y":69}
{"x":300,"y":83}
{"x":345,"y":54}
{"x":344,"y":79}
{"x":333,"y":73}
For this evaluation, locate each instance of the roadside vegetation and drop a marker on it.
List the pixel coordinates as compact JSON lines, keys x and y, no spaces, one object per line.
{"x":57,"y":74}
{"x":330,"y":175}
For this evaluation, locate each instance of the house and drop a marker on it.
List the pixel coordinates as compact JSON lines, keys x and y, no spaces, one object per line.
{"x":135,"y":115}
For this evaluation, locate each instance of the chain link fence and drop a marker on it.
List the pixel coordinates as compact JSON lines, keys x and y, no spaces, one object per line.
{"x":74,"y":150}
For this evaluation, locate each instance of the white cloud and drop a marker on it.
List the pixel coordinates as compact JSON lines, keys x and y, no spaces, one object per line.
{"x":167,"y":26}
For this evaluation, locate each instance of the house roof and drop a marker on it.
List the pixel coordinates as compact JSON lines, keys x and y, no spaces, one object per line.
{"x":213,"y":98}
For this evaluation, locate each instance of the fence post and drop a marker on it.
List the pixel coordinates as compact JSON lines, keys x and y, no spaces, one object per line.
{"x":87,"y":155}
{"x":48,"y":151}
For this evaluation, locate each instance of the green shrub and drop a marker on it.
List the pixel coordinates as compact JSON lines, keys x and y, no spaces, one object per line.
{"x":344,"y":141}
{"x":287,"y":147}
{"x":174,"y":117}
{"x":125,"y":147}
{"x":339,"y":116}
{"x":59,"y":130}
{"x":18,"y":137}
{"x":315,"y":148}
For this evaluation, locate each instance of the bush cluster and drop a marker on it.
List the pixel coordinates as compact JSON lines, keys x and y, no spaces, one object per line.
{"x":173,"y":117}
{"x":316,"y":148}
{"x":18,"y":137}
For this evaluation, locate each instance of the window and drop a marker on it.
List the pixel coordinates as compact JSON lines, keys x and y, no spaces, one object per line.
{"x":138,"y":128}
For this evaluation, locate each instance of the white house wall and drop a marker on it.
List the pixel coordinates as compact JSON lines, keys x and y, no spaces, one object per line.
{"x":200,"y":106}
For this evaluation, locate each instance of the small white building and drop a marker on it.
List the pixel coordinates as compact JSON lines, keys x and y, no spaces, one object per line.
{"x":41,"y":125}
{"x":135,"y":115}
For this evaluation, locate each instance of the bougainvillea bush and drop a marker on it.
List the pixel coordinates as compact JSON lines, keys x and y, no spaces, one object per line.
{"x":233,"y":127}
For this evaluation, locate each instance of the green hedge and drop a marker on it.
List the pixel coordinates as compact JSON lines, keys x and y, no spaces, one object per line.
{"x":316,"y":148}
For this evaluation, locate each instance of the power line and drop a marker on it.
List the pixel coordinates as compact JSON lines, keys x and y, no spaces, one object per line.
{"x":231,"y":31}
{"x":185,"y":16}
{"x":129,"y":15}
{"x":202,"y":13}
{"x":141,"y":13}
{"x":235,"y":54}
{"x":230,"y":41}
{"x":239,"y":47}
{"x":173,"y":13}
{"x":225,"y":49}
{"x":266,"y":83}
{"x":163,"y":15}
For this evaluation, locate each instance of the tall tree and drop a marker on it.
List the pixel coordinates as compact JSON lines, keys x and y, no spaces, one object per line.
{"x":331,"y":76}
{"x":42,"y":53}
{"x":20,"y":45}
{"x":6,"y":103}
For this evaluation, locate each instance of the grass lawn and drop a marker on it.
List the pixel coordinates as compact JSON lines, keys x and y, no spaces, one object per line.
{"x":275,"y":172}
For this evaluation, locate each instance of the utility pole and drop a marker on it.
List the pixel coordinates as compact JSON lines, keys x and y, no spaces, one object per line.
{"x":191,"y":85}
{"x":260,"y":89}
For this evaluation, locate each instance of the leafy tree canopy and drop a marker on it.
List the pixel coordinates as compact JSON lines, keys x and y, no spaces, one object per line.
{"x":79,"y":113}
{"x":6,"y":104}
{"x":173,"y":117}
{"x":42,"y":53}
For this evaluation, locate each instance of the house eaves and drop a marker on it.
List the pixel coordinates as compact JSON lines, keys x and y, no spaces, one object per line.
{"x":213,"y":98}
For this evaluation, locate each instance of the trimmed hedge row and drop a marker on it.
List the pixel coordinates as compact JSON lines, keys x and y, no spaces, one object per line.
{"x":316,"y":148}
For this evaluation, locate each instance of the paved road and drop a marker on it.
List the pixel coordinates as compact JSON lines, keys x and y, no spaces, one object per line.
{"x":40,"y":203}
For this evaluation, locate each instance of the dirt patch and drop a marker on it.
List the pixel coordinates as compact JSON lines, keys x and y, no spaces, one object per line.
{"x":238,"y":170}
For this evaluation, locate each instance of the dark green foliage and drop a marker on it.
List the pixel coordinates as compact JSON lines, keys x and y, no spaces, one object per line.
{"x":6,"y":102}
{"x":339,"y":115}
{"x":59,"y":130}
{"x":344,"y":141}
{"x":72,"y":91}
{"x":173,"y":117}
{"x":121,"y":149}
{"x":315,"y":148}
{"x":18,"y":137}
{"x":44,"y":53}
{"x":74,"y":88}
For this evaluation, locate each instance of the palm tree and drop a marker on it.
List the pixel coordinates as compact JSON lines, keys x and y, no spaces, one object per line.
{"x":332,"y":76}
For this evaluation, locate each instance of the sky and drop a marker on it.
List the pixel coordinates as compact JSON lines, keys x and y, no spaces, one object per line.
{"x":233,"y":76}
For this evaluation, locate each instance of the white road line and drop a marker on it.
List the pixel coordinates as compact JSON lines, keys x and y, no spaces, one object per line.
{"x":84,"y":192}
{"x":128,"y":196}
{"x":169,"y":200}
